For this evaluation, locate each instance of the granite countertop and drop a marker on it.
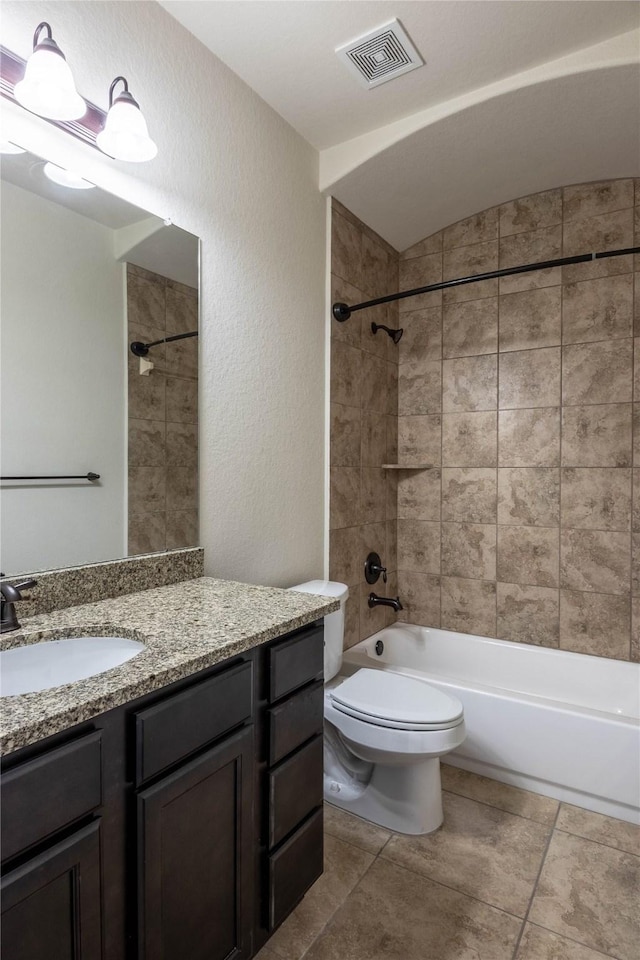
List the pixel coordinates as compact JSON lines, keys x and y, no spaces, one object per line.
{"x":186,"y":627}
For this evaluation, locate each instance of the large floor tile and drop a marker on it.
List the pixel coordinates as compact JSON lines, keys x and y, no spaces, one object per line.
{"x":496,"y":794}
{"x":480,"y":850}
{"x":539,"y":944}
{"x":590,"y":893}
{"x":394,"y":915}
{"x":338,"y":823}
{"x":595,"y":826}
{"x":344,"y":865}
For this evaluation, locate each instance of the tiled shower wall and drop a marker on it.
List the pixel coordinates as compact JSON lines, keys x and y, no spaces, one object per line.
{"x":364,"y":403}
{"x":163,"y":415}
{"x":520,"y":393}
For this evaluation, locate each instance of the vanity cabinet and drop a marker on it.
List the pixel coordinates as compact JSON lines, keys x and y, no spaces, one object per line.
{"x":187,"y":823}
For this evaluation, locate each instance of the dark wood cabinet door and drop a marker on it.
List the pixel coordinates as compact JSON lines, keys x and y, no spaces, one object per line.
{"x":195,"y":857}
{"x":51,"y":907}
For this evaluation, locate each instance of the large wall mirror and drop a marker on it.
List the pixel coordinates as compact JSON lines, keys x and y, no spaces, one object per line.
{"x":85,"y":274}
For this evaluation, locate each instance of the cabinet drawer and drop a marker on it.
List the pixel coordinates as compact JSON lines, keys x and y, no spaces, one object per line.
{"x":43,"y":795}
{"x":295,"y":720}
{"x":181,"y":724}
{"x":297,"y":864}
{"x":296,"y":661}
{"x":295,"y":789}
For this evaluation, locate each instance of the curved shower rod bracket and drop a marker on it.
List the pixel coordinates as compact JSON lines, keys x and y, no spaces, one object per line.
{"x":342,"y":311}
{"x":139,"y":349}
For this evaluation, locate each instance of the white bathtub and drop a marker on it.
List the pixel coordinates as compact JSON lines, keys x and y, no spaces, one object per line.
{"x":557,"y":723}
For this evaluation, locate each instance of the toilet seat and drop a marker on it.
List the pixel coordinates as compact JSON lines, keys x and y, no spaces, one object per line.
{"x":387,"y":699}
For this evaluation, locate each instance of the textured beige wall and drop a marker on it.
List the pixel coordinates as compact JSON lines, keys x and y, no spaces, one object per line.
{"x":520,"y":392}
{"x":364,"y":403}
{"x":163,"y":415}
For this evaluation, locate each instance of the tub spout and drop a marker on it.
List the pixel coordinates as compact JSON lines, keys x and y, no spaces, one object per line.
{"x":376,"y":601}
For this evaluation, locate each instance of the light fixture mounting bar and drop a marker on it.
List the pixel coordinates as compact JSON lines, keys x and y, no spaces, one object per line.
{"x":86,"y":129}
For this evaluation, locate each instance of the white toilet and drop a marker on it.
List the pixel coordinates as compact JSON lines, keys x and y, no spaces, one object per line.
{"x":384,"y":735}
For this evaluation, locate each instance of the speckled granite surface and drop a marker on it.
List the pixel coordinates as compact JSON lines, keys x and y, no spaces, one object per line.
{"x":187,"y":627}
{"x":112,"y":578}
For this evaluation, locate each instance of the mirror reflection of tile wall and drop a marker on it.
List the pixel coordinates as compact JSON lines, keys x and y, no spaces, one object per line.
{"x":163,"y":415}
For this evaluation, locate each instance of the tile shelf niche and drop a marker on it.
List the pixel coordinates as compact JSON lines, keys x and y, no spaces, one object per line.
{"x":407,"y":466}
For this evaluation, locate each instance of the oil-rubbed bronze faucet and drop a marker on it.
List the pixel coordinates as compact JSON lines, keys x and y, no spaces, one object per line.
{"x":11,"y":593}
{"x":376,"y":601}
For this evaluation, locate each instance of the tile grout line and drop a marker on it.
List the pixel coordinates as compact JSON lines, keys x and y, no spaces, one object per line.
{"x":535,"y":884}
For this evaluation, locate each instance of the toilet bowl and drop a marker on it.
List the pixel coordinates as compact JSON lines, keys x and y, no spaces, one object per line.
{"x":384,"y":735}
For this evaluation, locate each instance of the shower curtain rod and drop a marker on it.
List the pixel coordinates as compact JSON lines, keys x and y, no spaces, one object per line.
{"x":142,"y":349}
{"x":342,"y":312}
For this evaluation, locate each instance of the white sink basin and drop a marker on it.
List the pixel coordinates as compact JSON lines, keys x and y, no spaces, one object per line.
{"x":40,"y":666}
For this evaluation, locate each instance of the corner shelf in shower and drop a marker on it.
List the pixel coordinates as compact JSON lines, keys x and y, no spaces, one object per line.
{"x":408,"y":466}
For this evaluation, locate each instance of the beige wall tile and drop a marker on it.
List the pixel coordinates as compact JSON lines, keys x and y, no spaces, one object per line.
{"x":470,"y":328}
{"x":635,"y":630}
{"x":595,"y":560}
{"x":469,"y":494}
{"x":529,"y":378}
{"x":419,"y":272}
{"x":597,"y":309}
{"x":470,"y":383}
{"x":531,"y":213}
{"x":432,"y":244}
{"x":422,"y":337}
{"x":182,"y":529}
{"x":146,"y":302}
{"x":147,"y":531}
{"x":477,"y":290}
{"x":182,"y":400}
{"x":345,"y":555}
{"x":391,"y":546}
{"x":476,"y":229}
{"x":182,"y":444}
{"x":346,"y":250}
{"x":343,"y":292}
{"x":528,"y":614}
{"x":419,"y":391}
{"x":468,"y":606}
{"x":346,"y":374}
{"x":636,"y":434}
{"x":182,"y":488}
{"x":594,"y":623}
{"x":147,"y":396}
{"x":371,"y":342}
{"x":593,"y":269}
{"x":419,"y":439}
{"x":534,"y":246}
{"x":375,"y":375}
{"x":550,"y":277}
{"x":374,"y":439}
{"x":373,"y":539}
{"x":591,"y":199}
{"x":375,"y":268}
{"x":529,"y":319}
{"x":470,"y":260}
{"x":392,"y":494}
{"x":469,"y":550}
{"x":352,"y":619}
{"x":182,"y":310}
{"x":609,"y":231}
{"x":469,"y":439}
{"x":345,"y":436}
{"x":635,"y":564}
{"x":597,"y":372}
{"x":596,"y":498}
{"x":529,"y":496}
{"x":597,"y":436}
{"x":635,"y":515}
{"x":372,"y":619}
{"x":419,"y":546}
{"x":345,"y":497}
{"x":391,"y":433}
{"x":373,"y":489}
{"x":182,"y":359}
{"x":528,"y":555}
{"x":419,"y":494}
{"x":529,"y":438}
{"x":420,"y":596}
{"x":147,"y":442}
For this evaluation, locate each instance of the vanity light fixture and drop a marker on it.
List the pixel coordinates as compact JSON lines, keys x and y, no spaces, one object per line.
{"x":66,"y":178}
{"x":125,"y":135}
{"x":47,"y":87}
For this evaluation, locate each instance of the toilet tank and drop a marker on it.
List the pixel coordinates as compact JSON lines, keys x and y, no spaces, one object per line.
{"x":333,"y":622}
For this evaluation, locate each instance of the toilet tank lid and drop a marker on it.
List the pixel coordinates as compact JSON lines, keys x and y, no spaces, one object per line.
{"x":323,"y":588}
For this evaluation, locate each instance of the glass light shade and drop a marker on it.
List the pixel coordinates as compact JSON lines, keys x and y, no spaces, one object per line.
{"x":66,"y":178}
{"x":125,"y":135}
{"x":48,"y":88}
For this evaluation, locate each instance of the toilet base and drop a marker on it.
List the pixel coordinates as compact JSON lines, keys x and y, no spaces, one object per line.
{"x":405,"y":799}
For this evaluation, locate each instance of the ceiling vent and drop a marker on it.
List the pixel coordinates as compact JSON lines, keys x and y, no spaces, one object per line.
{"x":380,"y":55}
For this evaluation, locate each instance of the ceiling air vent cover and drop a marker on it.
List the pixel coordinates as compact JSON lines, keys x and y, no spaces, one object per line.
{"x":380,"y":55}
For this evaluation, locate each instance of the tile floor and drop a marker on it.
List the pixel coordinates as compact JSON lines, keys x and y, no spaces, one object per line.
{"x":511,"y":875}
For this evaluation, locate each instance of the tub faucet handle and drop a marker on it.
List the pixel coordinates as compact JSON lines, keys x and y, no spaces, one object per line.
{"x":373,"y":569}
